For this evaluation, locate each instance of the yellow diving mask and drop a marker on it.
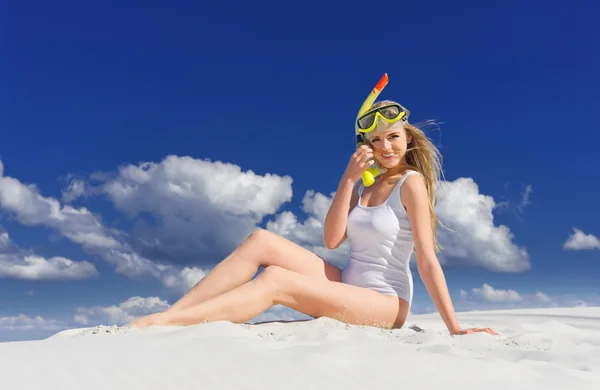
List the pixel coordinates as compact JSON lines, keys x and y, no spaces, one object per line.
{"x":390,"y":113}
{"x":367,"y":119}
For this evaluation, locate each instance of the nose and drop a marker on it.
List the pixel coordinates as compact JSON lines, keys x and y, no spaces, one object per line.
{"x":386,"y":144}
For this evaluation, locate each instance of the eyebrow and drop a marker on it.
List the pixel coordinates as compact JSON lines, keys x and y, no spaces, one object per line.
{"x":395,"y":132}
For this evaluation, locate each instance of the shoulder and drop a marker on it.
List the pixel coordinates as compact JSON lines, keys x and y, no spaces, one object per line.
{"x":413,"y":190}
{"x":413,"y":180}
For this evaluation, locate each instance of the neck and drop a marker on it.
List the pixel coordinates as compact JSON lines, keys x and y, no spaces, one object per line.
{"x":398,"y":169}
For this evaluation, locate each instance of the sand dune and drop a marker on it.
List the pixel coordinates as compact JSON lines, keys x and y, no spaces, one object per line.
{"x":537,"y":349}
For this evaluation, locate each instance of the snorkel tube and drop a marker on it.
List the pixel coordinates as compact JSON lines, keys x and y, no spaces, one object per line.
{"x":368,"y":177}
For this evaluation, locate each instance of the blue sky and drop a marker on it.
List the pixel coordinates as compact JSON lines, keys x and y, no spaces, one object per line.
{"x":139,"y":136}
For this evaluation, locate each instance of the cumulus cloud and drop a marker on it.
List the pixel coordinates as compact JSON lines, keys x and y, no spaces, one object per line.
{"x":190,"y":211}
{"x":120,"y":314}
{"x":578,"y":241}
{"x":29,"y":207}
{"x":25,"y":322}
{"x":487,"y":297}
{"x":471,"y":237}
{"x":541,"y":297}
{"x":490,"y":294}
{"x":16,"y":263}
{"x":490,"y":297}
{"x":181,"y":280}
{"x":32,"y":267}
{"x":75,"y":190}
{"x":81,"y":226}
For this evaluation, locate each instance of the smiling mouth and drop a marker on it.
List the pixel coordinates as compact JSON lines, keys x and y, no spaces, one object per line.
{"x":388,"y":155}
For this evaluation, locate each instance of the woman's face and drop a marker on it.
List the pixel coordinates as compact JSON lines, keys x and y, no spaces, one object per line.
{"x":389,"y":146}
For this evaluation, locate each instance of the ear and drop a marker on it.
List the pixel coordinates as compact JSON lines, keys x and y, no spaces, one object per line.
{"x":408,"y":137}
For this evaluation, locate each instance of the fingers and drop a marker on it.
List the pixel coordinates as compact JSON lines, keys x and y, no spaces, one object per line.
{"x":361,"y":152}
{"x":364,"y":148}
{"x":487,"y":330}
{"x":362,"y":155}
{"x":477,"y":330}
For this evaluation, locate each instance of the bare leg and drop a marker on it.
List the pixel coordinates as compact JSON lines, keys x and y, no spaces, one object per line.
{"x":261,"y":248}
{"x":313,"y":296}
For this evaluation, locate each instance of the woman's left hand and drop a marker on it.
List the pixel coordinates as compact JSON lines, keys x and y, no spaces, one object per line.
{"x":475,"y":330}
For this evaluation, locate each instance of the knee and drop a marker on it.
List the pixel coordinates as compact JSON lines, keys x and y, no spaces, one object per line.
{"x":260,"y":236}
{"x":273,"y":273}
{"x":261,"y":241}
{"x":273,"y":276}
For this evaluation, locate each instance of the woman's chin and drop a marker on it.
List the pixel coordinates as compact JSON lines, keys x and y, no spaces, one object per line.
{"x":389,"y":164}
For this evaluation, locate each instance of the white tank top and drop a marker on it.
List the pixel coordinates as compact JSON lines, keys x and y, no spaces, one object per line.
{"x":381,"y":244}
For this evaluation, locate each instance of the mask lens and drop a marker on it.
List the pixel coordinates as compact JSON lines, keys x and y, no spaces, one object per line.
{"x":391,"y":112}
{"x":366,"y":121}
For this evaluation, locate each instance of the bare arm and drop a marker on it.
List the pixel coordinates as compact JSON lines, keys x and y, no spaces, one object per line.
{"x":345,"y":197}
{"x":414,"y":197}
{"x":344,"y":201}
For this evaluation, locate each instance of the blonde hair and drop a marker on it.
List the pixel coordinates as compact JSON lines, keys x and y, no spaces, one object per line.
{"x":422,"y":156}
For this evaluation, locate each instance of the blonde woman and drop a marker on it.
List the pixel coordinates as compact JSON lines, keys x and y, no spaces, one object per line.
{"x":384,"y":222}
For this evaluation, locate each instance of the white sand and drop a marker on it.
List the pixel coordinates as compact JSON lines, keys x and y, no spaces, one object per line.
{"x":537,"y":349}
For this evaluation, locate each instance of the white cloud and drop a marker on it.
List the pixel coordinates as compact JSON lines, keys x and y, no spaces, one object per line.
{"x":17,"y":263}
{"x":83,"y":227}
{"x":120,"y":314}
{"x":472,"y":238}
{"x":541,"y":297}
{"x":32,"y":267}
{"x":199,"y":210}
{"x":578,"y":240}
{"x":490,"y":294}
{"x":5,"y":241}
{"x":75,"y":190}
{"x":182,"y":280}
{"x":25,"y":322}
{"x":487,"y":297}
{"x":31,"y":208}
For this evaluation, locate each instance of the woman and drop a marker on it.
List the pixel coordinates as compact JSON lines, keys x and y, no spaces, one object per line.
{"x":384,"y":222}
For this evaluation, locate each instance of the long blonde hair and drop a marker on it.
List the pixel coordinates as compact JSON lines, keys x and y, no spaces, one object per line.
{"x":424,"y":157}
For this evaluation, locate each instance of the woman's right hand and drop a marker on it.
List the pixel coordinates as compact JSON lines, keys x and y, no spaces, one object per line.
{"x":359,"y":162}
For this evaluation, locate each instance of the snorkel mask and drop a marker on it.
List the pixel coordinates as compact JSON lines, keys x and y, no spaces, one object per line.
{"x":366,"y":121}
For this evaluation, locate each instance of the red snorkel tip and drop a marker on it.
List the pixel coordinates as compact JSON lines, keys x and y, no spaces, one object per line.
{"x":382,"y":83}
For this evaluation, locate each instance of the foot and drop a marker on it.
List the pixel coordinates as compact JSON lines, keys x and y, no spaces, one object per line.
{"x":149,"y":320}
